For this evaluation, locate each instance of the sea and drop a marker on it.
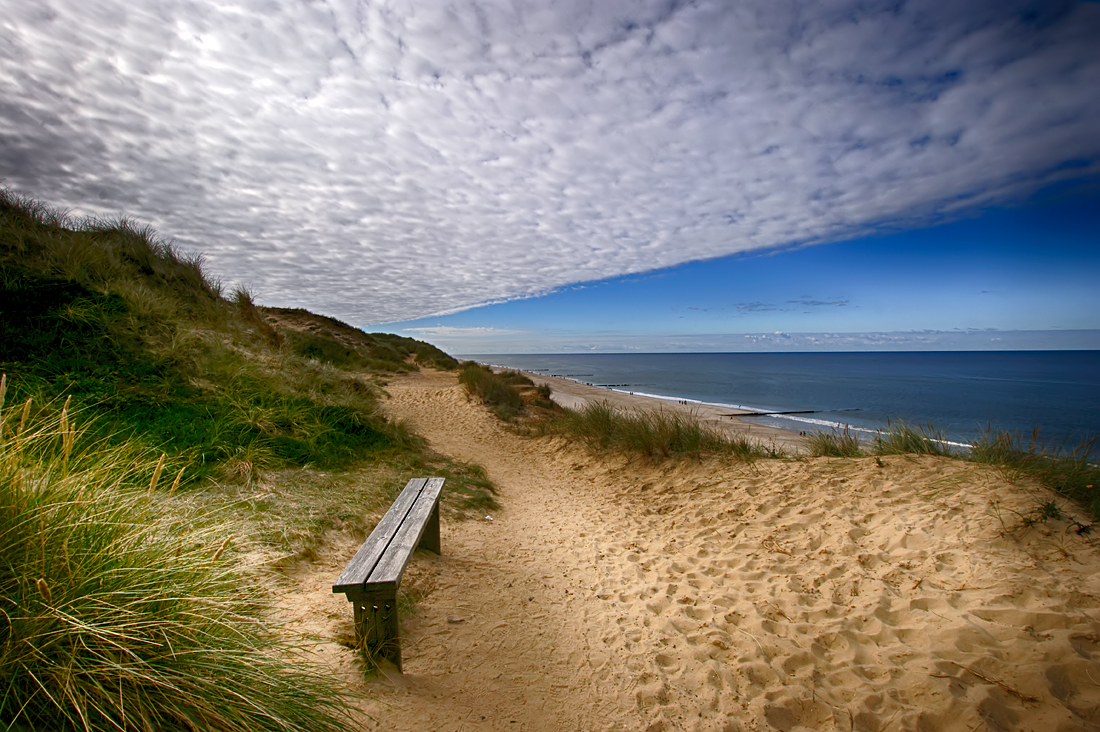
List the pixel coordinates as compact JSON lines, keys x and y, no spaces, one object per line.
{"x":962,"y":395}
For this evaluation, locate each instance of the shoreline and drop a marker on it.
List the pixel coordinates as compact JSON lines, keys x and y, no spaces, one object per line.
{"x":728,"y":419}
{"x":574,"y":394}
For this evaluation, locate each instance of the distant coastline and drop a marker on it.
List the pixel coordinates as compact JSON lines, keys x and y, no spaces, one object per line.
{"x":963,"y":394}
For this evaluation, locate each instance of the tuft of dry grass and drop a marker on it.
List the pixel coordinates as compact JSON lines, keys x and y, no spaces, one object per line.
{"x":835,"y":443}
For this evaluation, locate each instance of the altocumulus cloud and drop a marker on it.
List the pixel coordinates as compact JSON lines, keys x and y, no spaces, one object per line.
{"x":381,"y":161}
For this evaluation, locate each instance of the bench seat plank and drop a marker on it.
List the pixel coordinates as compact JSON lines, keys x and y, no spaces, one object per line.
{"x":392,"y":564}
{"x":363,"y":563}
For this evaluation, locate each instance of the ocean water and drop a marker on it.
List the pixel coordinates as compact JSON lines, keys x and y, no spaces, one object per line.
{"x":962,"y":394}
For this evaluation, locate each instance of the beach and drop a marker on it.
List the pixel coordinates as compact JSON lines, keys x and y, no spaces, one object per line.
{"x":893,"y":593}
{"x":575,"y":394}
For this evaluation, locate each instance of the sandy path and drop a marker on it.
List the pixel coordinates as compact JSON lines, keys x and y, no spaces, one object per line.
{"x":863,"y":595}
{"x":527,"y":654}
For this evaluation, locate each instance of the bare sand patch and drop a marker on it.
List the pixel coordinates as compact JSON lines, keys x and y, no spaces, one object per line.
{"x":815,"y":594}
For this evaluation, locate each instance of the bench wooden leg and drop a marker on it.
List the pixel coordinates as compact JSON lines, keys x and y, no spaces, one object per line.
{"x":430,"y":539}
{"x":376,"y":629}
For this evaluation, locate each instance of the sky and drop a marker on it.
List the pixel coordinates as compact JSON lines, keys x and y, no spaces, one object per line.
{"x":577,"y":175}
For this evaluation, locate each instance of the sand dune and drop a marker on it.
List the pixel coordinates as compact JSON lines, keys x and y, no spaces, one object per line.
{"x":789,"y":595}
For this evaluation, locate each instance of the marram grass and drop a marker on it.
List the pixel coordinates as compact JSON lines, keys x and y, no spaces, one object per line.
{"x":118,"y":613}
{"x":497,"y":391}
{"x":901,"y":438}
{"x":835,"y":443}
{"x":133,"y":330}
{"x":656,"y":435}
{"x":1071,"y":472}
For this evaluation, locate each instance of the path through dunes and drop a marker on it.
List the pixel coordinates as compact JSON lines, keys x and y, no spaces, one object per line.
{"x":529,"y":652}
{"x":817,"y":594}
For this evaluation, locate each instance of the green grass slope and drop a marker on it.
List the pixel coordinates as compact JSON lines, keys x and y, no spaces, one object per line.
{"x":328,"y":339}
{"x":143,"y":340}
{"x":141,"y":408}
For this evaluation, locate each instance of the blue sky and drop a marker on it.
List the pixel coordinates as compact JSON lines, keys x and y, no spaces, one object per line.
{"x":576,"y":174}
{"x":975,"y":283}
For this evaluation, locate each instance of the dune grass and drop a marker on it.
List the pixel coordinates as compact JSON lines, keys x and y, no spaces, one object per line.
{"x":121,"y":613}
{"x":349,"y":348}
{"x":655,"y":435}
{"x":498,"y":392}
{"x":899,"y":438}
{"x":1070,"y":472}
{"x":1073,"y":473}
{"x":201,"y":430}
{"x":902,"y":438}
{"x":835,"y":443}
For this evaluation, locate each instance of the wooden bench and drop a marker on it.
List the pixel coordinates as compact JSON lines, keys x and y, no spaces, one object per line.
{"x":371,"y":578}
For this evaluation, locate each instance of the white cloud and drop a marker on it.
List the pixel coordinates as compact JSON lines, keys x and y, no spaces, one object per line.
{"x":383,"y":161}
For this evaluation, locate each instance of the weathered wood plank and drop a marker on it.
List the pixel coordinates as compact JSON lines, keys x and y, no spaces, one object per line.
{"x":365,"y":560}
{"x":392,"y":564}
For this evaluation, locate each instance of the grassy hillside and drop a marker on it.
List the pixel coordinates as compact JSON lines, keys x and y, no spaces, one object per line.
{"x":327,"y":339}
{"x":139,"y":336}
{"x":139,"y":403}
